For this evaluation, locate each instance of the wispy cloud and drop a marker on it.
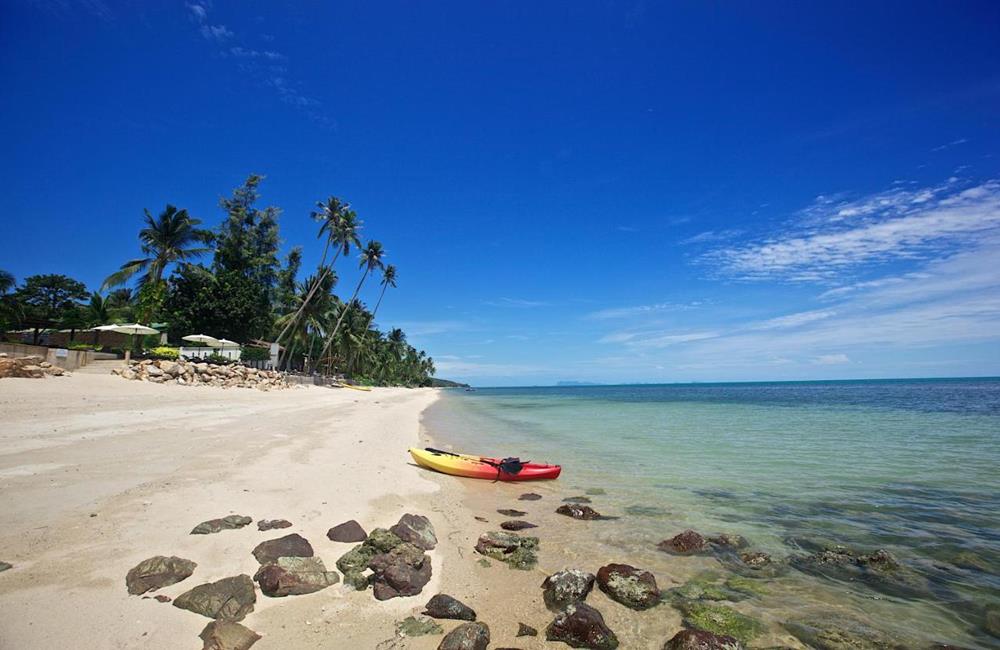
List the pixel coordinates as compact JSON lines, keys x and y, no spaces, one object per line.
{"x":218,"y":33}
{"x":515,"y":302}
{"x":641,"y":310}
{"x":792,"y":320}
{"x":831,"y":359}
{"x":713,"y":236}
{"x":834,"y":236}
{"x":243,"y":53}
{"x":948,"y":145}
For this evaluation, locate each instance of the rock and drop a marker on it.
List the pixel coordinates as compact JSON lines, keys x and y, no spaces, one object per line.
{"x":628,"y":585}
{"x":229,"y":522}
{"x":991,"y":620}
{"x":153,"y":371}
{"x":722,"y":620}
{"x":526,"y":630}
{"x":349,"y":531}
{"x":290,"y":576}
{"x":578,"y":512}
{"x":383,"y":540}
{"x":483,"y":519}
{"x":840,"y":633}
{"x":227,"y":635}
{"x":444,"y":606}
{"x":517,"y":524}
{"x":756,"y":560}
{"x":529,"y":496}
{"x":727,"y":541}
{"x":228,"y":599}
{"x":581,"y":626}
{"x":415,"y":529}
{"x":356,"y":559}
{"x":686,"y":543}
{"x":970,"y":560}
{"x":55,"y":371}
{"x":879,"y":570}
{"x":403,"y":571}
{"x":31,"y":372}
{"x":467,"y":636}
{"x":412,"y":626}
{"x":158,"y":571}
{"x":577,"y":499}
{"x":566,"y":587}
{"x":518,"y":552}
{"x":701,"y":640}
{"x":171,"y":368}
{"x":509,"y":512}
{"x":293,"y":545}
{"x":271,"y":524}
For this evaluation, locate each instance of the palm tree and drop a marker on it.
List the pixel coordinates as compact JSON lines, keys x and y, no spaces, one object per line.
{"x":371,"y":258}
{"x":340,"y":224}
{"x":171,"y":237}
{"x":7,"y":281}
{"x":388,"y":280}
{"x":311,"y":320}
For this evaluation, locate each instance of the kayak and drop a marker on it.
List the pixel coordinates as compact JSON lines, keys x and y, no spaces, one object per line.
{"x":367,"y":389}
{"x":480,"y":466}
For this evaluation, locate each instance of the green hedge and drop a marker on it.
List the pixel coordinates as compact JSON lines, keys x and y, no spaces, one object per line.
{"x":254,"y":354}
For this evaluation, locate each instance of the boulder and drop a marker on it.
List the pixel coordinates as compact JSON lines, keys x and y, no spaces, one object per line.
{"x":721,"y":620}
{"x":31,"y":372}
{"x":349,"y":531}
{"x":171,"y":368}
{"x":518,"y":552}
{"x":526,"y":630}
{"x":229,"y":522}
{"x":756,"y":560}
{"x":510,"y":512}
{"x":382,"y":540}
{"x":577,"y":511}
{"x":227,"y":635}
{"x":153,"y":371}
{"x":444,"y":606}
{"x":290,"y":576}
{"x":467,"y":636}
{"x":517,"y":524}
{"x":293,"y":545}
{"x":529,"y":496}
{"x":581,"y":626}
{"x":879,"y":570}
{"x":566,"y":587}
{"x":728,"y":541}
{"x":686,"y":543}
{"x":628,"y":585}
{"x":229,"y":599}
{"x":271,"y":524}
{"x":402,"y":571}
{"x":417,"y":530}
{"x":840,"y":633}
{"x":693,"y":639}
{"x":158,"y":571}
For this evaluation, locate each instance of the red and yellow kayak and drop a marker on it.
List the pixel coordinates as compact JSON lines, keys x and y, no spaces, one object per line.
{"x":480,"y":466}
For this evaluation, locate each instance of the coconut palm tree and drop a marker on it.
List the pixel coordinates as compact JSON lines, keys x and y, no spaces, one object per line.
{"x":388,"y":280}
{"x":371,"y":258}
{"x":172,"y":237}
{"x":310,"y":321}
{"x":341,"y":226}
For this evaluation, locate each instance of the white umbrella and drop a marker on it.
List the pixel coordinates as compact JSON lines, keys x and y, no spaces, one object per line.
{"x":202,"y":338}
{"x":132,"y":329}
{"x":226,"y":343}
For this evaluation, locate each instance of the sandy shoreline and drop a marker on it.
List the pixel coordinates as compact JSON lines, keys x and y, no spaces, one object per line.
{"x":98,"y":474}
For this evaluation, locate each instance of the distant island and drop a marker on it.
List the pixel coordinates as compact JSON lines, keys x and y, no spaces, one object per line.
{"x":445,"y":383}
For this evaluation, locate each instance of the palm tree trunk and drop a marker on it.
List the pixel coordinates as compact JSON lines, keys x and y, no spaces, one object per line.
{"x":312,"y":291}
{"x":364,"y":338}
{"x":343,"y":312}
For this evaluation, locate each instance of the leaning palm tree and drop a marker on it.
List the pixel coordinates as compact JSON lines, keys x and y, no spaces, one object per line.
{"x":171,"y":237}
{"x":388,"y":280}
{"x":340,"y":224}
{"x":371,"y":258}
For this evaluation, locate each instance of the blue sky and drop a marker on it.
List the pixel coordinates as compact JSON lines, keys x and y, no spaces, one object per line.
{"x":602,"y":191}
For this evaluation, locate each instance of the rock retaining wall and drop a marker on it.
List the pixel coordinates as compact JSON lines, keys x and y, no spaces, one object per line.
{"x":189,"y":373}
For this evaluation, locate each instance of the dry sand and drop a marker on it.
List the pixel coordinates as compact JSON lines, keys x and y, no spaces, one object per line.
{"x":98,"y":473}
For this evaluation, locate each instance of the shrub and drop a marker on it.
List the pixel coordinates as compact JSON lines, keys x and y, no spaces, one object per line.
{"x":76,"y":345}
{"x":218,"y":359}
{"x":254,"y":354}
{"x":164,"y":352}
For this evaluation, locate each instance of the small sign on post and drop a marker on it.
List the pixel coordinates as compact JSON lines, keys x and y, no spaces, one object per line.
{"x":62,"y":353}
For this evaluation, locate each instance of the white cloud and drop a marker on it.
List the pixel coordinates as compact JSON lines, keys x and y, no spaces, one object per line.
{"x":198,"y":11}
{"x":712,"y":236}
{"x":834,"y":237}
{"x":641,"y":310}
{"x":218,"y":33}
{"x":244,"y":53}
{"x":792,"y":320}
{"x":831,"y":359}
{"x":515,"y":302}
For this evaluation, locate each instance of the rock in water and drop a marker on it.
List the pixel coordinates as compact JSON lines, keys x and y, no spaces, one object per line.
{"x":628,"y":585}
{"x":291,"y":576}
{"x":701,"y":640}
{"x":229,"y":522}
{"x":721,"y":620}
{"x":581,"y":626}
{"x":349,"y":531}
{"x":444,"y":606}
{"x":403,"y":571}
{"x":756,"y":560}
{"x":840,"y":633}
{"x":517,"y":524}
{"x":577,"y":499}
{"x":728,"y":541}
{"x":158,"y":571}
{"x":293,"y":545}
{"x":518,"y":552}
{"x":529,"y":496}
{"x":417,"y":530}
{"x":685,"y":543}
{"x":229,"y":599}
{"x":526,"y":630}
{"x":577,"y":511}
{"x":467,"y":636}
{"x":226,"y":635}
{"x":566,"y":587}
{"x":271,"y":524}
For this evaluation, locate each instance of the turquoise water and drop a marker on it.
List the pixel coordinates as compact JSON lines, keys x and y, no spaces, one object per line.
{"x":909,"y":466}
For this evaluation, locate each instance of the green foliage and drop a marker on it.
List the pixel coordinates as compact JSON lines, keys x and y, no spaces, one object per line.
{"x":286,"y":290}
{"x":247,"y":240}
{"x":164,"y":352}
{"x":76,"y":345}
{"x":218,"y":359}
{"x":227,"y":305}
{"x":150,"y":300}
{"x":46,"y":297}
{"x":254,"y":354}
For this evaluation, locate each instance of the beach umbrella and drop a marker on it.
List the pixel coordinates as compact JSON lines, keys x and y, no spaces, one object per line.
{"x":210,"y":341}
{"x":226,"y":343}
{"x":132,"y":329}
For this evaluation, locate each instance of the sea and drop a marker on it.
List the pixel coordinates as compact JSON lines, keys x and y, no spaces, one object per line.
{"x":908,"y":466}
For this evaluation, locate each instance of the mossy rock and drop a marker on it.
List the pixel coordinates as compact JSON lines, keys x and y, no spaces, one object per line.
{"x":413,"y":626}
{"x":382,"y":540}
{"x":746,"y":586}
{"x":358,"y":580}
{"x":523,"y":559}
{"x":720,"y":619}
{"x":356,"y":560}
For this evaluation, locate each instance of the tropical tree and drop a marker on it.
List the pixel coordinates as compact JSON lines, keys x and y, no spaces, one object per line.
{"x":172,"y":237}
{"x":7,"y":282}
{"x":49,"y":298}
{"x":388,"y":280}
{"x":371,"y":258}
{"x":247,"y":240}
{"x":98,"y":310}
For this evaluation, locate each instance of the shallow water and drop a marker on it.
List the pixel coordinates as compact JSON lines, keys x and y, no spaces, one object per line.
{"x":909,"y":466}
